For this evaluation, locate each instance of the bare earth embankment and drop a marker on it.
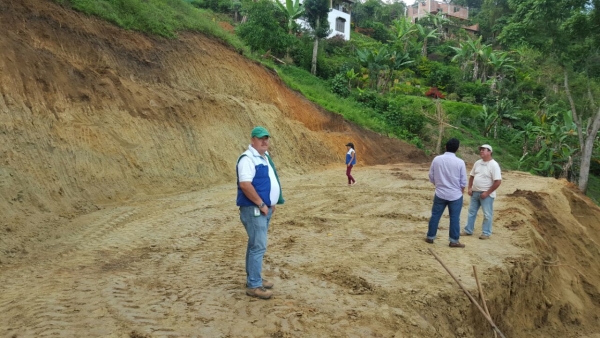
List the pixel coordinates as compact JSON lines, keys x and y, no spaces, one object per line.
{"x":117,"y":193}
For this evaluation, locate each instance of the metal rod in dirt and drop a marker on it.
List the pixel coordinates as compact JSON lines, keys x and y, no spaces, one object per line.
{"x":468,"y":295}
{"x":482,"y":296}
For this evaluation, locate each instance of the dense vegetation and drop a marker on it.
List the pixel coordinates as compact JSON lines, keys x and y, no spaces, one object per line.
{"x":528,"y":82}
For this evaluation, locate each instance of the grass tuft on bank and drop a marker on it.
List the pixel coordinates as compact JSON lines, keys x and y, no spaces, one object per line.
{"x":156,"y":17}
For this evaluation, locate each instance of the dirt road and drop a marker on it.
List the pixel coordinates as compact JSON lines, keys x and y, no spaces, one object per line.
{"x":347,"y":262}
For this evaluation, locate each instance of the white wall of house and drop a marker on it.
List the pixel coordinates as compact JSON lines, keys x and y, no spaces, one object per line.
{"x":339,"y":23}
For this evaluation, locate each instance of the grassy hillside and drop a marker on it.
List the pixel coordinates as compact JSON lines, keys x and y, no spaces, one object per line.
{"x":157,"y":17}
{"x":399,"y":111}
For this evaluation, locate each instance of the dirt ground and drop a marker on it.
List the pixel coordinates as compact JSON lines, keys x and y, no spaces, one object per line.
{"x":118,"y":217}
{"x":347,"y":262}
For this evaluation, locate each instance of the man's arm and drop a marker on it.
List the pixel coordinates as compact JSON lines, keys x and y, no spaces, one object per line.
{"x":250,"y":192}
{"x":432,"y":172}
{"x":470,"y":189}
{"x":463,"y":177}
{"x":491,"y":189}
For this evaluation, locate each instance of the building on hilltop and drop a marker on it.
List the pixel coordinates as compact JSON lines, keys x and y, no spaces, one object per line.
{"x":421,"y":9}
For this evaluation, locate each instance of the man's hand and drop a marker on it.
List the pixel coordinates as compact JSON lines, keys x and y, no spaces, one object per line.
{"x":264,"y":210}
{"x":484,"y":195}
{"x":470,"y":192}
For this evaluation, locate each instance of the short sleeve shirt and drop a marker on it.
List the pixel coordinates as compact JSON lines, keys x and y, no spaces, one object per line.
{"x":247,"y":169}
{"x":484,"y":174}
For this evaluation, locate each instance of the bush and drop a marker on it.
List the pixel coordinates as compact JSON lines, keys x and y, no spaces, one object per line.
{"x":405,"y":117}
{"x":335,"y":45}
{"x":408,"y":113}
{"x":452,"y":97}
{"x":339,"y":85}
{"x":468,"y":99}
{"x":406,"y":89}
{"x":442,"y":76}
{"x":462,"y":113}
{"x":377,"y":31}
{"x":476,"y":90}
{"x":264,"y":31}
{"x":220,"y":6}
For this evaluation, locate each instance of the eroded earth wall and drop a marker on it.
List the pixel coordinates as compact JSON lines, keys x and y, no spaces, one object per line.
{"x":93,"y":114}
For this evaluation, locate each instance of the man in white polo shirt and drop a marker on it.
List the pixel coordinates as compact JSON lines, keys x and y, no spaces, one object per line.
{"x":258,"y":192}
{"x":484,"y":179}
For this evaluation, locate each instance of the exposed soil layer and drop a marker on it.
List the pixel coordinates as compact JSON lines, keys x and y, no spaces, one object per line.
{"x":117,"y":190}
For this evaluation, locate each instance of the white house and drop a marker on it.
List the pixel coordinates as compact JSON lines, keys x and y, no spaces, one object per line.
{"x":339,"y":19}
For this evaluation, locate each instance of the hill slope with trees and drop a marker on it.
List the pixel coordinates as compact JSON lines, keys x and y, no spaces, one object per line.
{"x":117,"y":195}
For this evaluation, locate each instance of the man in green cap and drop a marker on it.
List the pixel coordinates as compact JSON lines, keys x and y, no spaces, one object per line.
{"x":259,"y":191}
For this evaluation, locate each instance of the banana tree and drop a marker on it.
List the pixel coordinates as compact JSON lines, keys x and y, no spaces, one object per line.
{"x":425,"y":33}
{"x":485,"y":54}
{"x":463,"y":56}
{"x":375,"y":61}
{"x":292,"y":11}
{"x":405,"y":32}
{"x":351,"y":75}
{"x":396,"y":61}
{"x":439,"y":21}
{"x":500,"y":64}
{"x":489,"y":117}
{"x":558,"y":145}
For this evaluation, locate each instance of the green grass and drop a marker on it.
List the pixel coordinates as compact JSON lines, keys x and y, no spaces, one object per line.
{"x":318,"y":91}
{"x":156,"y":17}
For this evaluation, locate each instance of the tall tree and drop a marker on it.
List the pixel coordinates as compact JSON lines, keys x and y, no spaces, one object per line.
{"x":566,"y":30}
{"x":316,"y":15}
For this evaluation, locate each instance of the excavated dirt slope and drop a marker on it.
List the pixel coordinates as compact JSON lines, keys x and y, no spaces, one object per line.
{"x":117,"y":190}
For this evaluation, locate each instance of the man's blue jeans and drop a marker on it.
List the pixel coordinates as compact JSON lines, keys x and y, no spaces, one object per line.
{"x":256,"y":228}
{"x":454,"y":208}
{"x":487,"y":205}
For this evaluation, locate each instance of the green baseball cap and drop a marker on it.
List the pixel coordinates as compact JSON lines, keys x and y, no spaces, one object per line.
{"x":260,"y":132}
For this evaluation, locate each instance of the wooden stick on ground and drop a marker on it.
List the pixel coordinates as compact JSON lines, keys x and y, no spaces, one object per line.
{"x":469,"y":295}
{"x":482,"y":296}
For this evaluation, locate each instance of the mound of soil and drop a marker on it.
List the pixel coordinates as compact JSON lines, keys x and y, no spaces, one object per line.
{"x":117,"y":155}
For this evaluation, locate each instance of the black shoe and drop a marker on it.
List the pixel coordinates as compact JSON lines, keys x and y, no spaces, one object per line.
{"x":430,"y":241}
{"x":456,"y":245}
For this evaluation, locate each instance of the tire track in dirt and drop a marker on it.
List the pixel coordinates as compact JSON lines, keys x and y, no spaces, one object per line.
{"x":346,"y":261}
{"x":118,"y":229}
